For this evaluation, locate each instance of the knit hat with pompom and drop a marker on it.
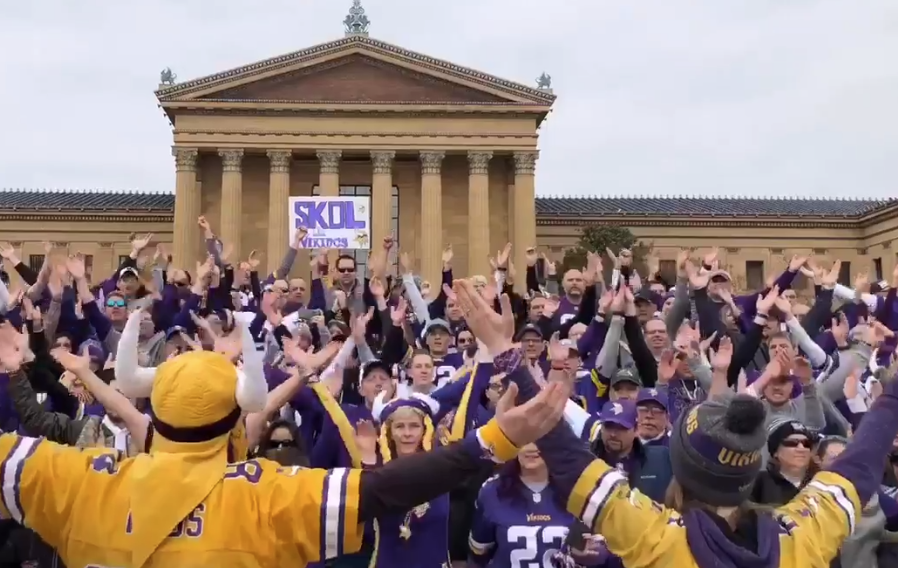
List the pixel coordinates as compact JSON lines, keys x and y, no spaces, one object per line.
{"x":716,"y":449}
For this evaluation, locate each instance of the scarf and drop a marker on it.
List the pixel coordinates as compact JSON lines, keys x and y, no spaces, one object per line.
{"x":712,"y":549}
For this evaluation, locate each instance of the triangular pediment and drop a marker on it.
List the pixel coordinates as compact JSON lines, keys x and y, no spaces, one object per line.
{"x":356,"y":70}
{"x":355,"y":78}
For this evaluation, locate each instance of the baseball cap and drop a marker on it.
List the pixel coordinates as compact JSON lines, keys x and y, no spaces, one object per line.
{"x":651,"y":396}
{"x":437,"y":324}
{"x":626,"y":375}
{"x":571,"y":345}
{"x":529,"y":328}
{"x":373,"y":366}
{"x":173,"y":331}
{"x":621,"y":412}
{"x":128,"y":271}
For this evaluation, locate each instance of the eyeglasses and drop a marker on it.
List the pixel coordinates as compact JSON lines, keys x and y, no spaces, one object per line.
{"x":115,"y":303}
{"x":345,"y":270}
{"x":496,"y":387}
{"x":795,"y":443}
{"x":278,"y":444}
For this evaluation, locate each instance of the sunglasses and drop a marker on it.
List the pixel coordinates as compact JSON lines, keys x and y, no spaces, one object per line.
{"x":796,"y":443}
{"x":115,"y":303}
{"x":345,"y":270}
{"x":279,"y":444}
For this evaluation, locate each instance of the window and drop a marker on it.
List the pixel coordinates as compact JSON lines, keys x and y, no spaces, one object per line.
{"x":667,"y":269}
{"x":845,"y":274}
{"x":88,"y":267}
{"x":122,"y":259}
{"x":361,"y":255}
{"x":754,"y":274}
{"x":877,"y":268}
{"x":36,"y":262}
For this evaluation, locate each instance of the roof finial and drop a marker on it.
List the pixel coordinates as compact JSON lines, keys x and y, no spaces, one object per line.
{"x":356,"y":22}
{"x":544,"y":82}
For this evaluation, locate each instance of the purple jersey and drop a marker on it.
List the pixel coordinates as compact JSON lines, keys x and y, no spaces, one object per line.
{"x":418,"y":538}
{"x":516,"y":532}
{"x":446,"y":368}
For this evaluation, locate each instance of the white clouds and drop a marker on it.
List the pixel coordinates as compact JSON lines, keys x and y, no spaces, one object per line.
{"x":683,"y":96}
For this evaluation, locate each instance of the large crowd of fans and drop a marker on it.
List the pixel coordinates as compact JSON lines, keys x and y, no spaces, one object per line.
{"x":367,"y":368}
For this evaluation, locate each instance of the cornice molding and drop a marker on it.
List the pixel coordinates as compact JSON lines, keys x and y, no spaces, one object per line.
{"x":253,"y":110}
{"x":363,"y":134}
{"x":85,"y":217}
{"x":748,"y":222}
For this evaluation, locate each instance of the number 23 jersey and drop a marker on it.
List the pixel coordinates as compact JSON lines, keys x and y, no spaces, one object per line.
{"x":516,"y":527}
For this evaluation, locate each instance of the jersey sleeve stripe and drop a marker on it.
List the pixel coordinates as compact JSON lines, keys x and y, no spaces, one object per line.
{"x":600,"y":495}
{"x":331,"y":513}
{"x":341,"y":523}
{"x":841,"y":499}
{"x":479,"y":548}
{"x":11,"y":475}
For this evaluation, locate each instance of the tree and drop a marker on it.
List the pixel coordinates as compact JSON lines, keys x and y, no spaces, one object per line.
{"x":597,"y":238}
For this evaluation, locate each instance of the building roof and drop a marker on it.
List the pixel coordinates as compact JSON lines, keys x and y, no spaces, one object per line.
{"x":86,"y":200}
{"x":346,"y":44}
{"x":96,"y":200}
{"x":704,"y":207}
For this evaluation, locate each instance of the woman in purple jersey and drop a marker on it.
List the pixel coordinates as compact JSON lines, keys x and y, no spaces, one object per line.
{"x":520,"y":522}
{"x":418,"y":537}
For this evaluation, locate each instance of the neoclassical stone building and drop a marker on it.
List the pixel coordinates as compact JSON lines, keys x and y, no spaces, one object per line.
{"x":447,"y":154}
{"x":756,"y":236}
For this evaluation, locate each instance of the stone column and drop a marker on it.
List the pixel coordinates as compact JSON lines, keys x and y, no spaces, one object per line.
{"x":329,"y":183}
{"x":524,"y":217}
{"x":187,"y":209}
{"x":231,"y":199}
{"x":431,"y":250}
{"x":479,"y":213}
{"x":329,"y":172}
{"x":381,"y":190}
{"x":278,"y":200}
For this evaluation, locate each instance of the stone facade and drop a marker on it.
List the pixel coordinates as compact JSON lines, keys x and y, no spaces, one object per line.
{"x":447,"y":154}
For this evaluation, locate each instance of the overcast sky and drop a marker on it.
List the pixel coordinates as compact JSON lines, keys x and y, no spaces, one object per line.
{"x":660,"y":97}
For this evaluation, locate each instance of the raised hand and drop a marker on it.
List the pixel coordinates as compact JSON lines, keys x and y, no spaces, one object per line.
{"x":667,"y":366}
{"x":711,"y":257}
{"x":797,"y":262}
{"x":766,"y":302}
{"x":397,"y":313}
{"x":366,"y":439}
{"x":405,"y":263}
{"x":531,"y":256}
{"x":495,"y":330}
{"x":534,"y":419}
{"x":7,"y":251}
{"x":75,"y":265}
{"x":502,"y":256}
{"x":253,"y":261}
{"x":299,"y":236}
{"x":359,"y":325}
{"x":829,"y":279}
{"x":72,"y":362}
{"x":376,"y":287}
{"x":139,"y":243}
{"x":447,"y":255}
